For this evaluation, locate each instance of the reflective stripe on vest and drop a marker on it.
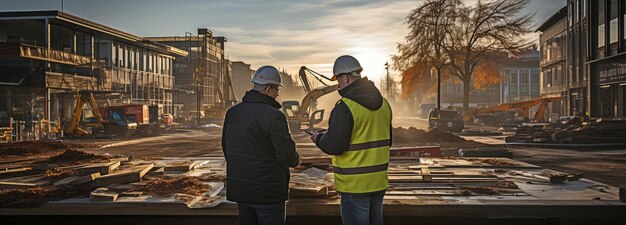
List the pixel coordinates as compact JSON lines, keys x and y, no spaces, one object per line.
{"x":363,"y":168}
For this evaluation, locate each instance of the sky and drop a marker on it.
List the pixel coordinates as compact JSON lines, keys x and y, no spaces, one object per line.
{"x":282,"y":33}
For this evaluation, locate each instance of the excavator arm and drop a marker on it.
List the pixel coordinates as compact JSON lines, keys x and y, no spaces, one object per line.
{"x":81,"y":99}
{"x":524,"y":106}
{"x":314,"y":95}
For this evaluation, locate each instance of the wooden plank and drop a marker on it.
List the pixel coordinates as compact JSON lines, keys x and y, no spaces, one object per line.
{"x":102,"y":168}
{"x":87,"y":178}
{"x":130,"y":175}
{"x":426,"y":174}
{"x":77,"y":180}
{"x":552,"y":178}
{"x":14,"y":185}
{"x":182,"y":167}
{"x":304,"y":192}
{"x":131,"y":194}
{"x":14,"y":171}
{"x":103,"y":196}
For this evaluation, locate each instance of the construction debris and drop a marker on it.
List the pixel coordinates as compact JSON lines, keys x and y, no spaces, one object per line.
{"x":35,"y":196}
{"x":573,"y":130}
{"x":168,"y":186}
{"x":73,"y":157}
{"x":29,"y":148}
{"x":103,"y":195}
{"x":414,"y":137}
{"x":183,"y":166}
{"x":129,"y":175}
{"x":14,"y":185}
{"x":58,"y":173}
{"x":213,"y":176}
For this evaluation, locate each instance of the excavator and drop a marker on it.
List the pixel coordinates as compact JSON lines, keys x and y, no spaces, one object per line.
{"x":305,"y":112}
{"x":523,"y":106}
{"x":82,"y":98}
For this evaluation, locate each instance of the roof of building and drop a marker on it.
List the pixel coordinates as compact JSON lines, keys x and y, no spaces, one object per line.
{"x":69,"y":18}
{"x":558,"y":16}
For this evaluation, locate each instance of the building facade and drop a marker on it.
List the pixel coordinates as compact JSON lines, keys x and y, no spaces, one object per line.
{"x":595,"y":56}
{"x":203,"y":76}
{"x":518,"y":81}
{"x":554,"y":68}
{"x":242,"y":78}
{"x":47,"y":56}
{"x":519,"y":78}
{"x":606,"y":58}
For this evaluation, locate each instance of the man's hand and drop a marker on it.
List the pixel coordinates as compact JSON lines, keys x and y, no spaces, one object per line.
{"x":314,"y":137}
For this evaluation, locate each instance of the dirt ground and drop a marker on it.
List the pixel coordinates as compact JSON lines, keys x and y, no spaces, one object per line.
{"x":600,"y":165}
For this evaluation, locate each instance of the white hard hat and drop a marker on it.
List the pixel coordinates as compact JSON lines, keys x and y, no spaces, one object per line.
{"x":267,"y":75}
{"x":346,"y":64}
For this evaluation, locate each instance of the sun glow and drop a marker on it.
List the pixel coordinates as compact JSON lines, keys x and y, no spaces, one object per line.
{"x":372,"y":60}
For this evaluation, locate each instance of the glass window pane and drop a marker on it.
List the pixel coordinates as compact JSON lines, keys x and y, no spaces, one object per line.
{"x":613,"y":29}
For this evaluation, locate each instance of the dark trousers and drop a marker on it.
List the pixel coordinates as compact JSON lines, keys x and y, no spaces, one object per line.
{"x":362,"y":209}
{"x":261,"y":214}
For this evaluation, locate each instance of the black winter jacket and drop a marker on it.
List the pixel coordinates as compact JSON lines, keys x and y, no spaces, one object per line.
{"x":336,"y":140}
{"x":259,"y":151}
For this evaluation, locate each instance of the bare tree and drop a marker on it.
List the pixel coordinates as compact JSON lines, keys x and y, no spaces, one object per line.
{"x":430,"y":25}
{"x":472,"y":35}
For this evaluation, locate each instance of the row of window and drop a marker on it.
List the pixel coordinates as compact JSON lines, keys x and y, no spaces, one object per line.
{"x":554,"y":75}
{"x":553,"y":49}
{"x":127,"y":57}
{"x":521,"y":76}
{"x":609,"y":15}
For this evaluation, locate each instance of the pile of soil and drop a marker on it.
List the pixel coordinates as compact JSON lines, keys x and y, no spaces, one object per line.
{"x":168,"y":186}
{"x":483,"y":190}
{"x":494,"y":162}
{"x":213,"y":177}
{"x":412,"y":136}
{"x":29,"y":148}
{"x":35,"y":196}
{"x":73,"y":157}
{"x":57,"y":174}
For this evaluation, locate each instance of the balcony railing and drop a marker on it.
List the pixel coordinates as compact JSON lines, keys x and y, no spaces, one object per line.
{"x":40,"y":53}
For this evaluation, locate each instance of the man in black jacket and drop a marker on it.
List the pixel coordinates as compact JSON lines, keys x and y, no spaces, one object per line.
{"x":259,"y":150}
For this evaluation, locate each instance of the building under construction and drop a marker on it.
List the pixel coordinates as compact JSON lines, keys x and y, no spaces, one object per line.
{"x":49,"y":55}
{"x":203,"y":80}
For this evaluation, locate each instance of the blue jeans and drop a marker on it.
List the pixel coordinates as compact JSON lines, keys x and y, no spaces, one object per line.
{"x":362,"y":209}
{"x":261,"y":214}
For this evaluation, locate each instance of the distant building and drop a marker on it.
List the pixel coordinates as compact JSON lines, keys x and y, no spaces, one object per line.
{"x":554,"y":82}
{"x":49,"y":55}
{"x":521,"y":78}
{"x":202,"y":75}
{"x":519,"y":81}
{"x":242,"y":78}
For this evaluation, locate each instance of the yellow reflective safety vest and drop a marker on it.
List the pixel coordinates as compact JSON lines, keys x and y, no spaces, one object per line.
{"x":363,"y":167}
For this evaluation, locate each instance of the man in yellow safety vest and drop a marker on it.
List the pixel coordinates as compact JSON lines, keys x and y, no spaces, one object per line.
{"x":359,"y":138}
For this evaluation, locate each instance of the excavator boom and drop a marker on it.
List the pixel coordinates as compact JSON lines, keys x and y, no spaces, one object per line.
{"x":524,"y":106}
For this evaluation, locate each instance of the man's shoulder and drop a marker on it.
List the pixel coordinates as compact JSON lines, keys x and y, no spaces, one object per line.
{"x":256,"y":109}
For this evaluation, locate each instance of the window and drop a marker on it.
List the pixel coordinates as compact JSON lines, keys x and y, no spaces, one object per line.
{"x":524,"y":77}
{"x":624,"y":22}
{"x":534,"y":77}
{"x":601,"y":35}
{"x":613,"y":24}
{"x":584,"y":14}
{"x":514,"y":77}
{"x":114,"y":55}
